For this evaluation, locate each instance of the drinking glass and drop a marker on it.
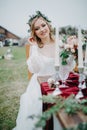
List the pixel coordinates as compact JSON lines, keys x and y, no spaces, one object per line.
{"x":64,"y":73}
{"x":57,"y":91}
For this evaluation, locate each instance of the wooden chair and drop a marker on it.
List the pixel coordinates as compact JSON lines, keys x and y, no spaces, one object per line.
{"x":27,"y":47}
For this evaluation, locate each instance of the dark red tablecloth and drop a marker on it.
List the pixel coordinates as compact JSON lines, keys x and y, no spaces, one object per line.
{"x":71,"y":83}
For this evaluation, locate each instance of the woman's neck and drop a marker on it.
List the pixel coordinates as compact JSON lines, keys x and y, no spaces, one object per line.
{"x":46,"y":40}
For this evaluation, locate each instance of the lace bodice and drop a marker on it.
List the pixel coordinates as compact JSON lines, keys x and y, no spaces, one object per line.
{"x":48,"y":50}
{"x":41,"y":60}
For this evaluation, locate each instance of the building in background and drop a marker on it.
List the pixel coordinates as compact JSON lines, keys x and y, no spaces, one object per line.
{"x":8,"y":38}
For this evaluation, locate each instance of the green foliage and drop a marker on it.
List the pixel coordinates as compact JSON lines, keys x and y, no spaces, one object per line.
{"x":70,"y":105}
{"x":68,"y":30}
{"x":64,"y":55}
{"x":37,"y":15}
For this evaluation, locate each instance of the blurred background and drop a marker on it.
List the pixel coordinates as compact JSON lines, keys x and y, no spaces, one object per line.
{"x":14,"y":32}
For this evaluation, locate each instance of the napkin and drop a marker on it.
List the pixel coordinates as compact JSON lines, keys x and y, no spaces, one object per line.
{"x":73,"y":79}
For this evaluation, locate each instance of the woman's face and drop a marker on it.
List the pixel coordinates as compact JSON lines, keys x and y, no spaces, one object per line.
{"x":41,"y":29}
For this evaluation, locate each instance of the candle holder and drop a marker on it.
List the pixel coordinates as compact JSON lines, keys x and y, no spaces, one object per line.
{"x":81,"y":78}
{"x":85,"y":64}
{"x":81,"y":69}
{"x":86,"y":81}
{"x":57,"y":67}
{"x":56,"y":72}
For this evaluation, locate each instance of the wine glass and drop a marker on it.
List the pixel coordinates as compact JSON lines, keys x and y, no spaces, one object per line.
{"x":57,"y":91}
{"x":64,"y":73}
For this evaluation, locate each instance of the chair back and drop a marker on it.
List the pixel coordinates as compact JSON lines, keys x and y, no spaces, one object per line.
{"x":27,"y":47}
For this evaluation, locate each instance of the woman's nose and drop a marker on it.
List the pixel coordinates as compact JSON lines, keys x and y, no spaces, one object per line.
{"x":41,"y":29}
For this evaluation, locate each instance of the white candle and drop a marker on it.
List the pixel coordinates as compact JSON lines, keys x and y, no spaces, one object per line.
{"x":86,"y":54}
{"x":80,"y":53}
{"x":57,"y":49}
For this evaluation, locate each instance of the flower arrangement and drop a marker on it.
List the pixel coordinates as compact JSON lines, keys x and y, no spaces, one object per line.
{"x":70,"y":48}
{"x":67,"y":51}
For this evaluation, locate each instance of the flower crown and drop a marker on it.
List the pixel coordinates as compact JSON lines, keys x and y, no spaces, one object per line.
{"x":37,"y":15}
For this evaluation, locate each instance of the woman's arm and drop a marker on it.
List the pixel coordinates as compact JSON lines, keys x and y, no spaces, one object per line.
{"x":34,"y":59}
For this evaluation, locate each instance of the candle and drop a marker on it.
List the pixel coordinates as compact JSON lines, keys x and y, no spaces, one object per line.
{"x":57,"y":49}
{"x":86,"y":55}
{"x":80,"y":53}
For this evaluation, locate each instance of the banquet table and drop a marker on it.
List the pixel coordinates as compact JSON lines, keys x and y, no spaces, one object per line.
{"x":63,"y":118}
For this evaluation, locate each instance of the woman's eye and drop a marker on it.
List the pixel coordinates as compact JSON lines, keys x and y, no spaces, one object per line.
{"x":43,"y":25}
{"x":36,"y":29}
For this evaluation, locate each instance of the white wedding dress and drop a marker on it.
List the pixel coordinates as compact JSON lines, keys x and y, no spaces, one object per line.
{"x":40,"y":62}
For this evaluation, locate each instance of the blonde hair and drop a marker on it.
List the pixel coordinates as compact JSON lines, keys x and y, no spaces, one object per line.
{"x":37,"y":39}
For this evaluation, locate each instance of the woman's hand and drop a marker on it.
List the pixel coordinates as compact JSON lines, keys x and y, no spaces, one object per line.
{"x":31,"y":41}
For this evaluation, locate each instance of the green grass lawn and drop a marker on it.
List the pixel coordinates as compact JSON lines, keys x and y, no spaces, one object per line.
{"x":13,"y":82}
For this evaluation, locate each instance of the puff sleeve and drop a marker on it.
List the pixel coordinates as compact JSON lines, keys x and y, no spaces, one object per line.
{"x":34,"y":61}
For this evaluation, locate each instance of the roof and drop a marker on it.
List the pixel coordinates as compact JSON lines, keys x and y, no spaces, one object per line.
{"x":7,"y":31}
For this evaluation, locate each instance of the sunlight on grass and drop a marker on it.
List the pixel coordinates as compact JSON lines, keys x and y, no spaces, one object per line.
{"x":13,"y":82}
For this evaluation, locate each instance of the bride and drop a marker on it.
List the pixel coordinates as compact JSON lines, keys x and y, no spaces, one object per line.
{"x":40,"y":63}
